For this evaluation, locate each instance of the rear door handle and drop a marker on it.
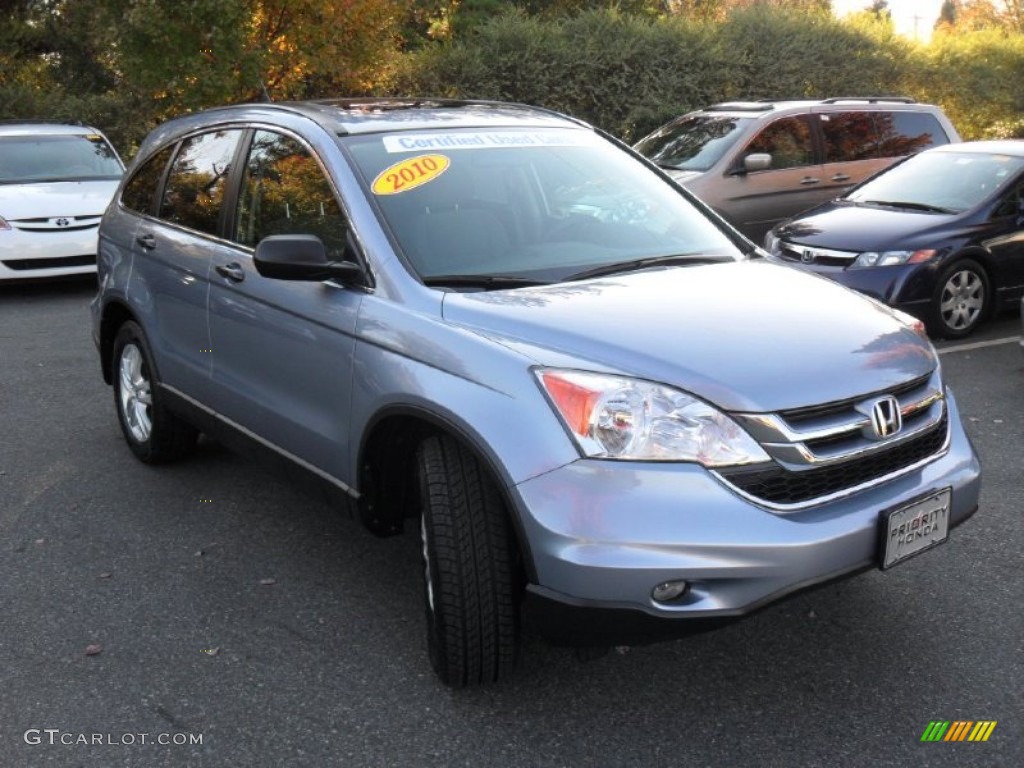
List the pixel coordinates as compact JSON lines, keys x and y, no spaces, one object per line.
{"x":232,"y":272}
{"x":806,"y":180}
{"x":840,"y":177}
{"x":146,"y":241}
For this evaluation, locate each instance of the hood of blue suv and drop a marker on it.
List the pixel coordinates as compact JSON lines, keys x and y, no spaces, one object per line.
{"x":746,"y":336}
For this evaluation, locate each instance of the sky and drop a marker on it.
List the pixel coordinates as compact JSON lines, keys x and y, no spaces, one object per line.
{"x":903,"y":14}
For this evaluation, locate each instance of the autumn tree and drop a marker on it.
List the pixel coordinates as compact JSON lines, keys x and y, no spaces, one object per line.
{"x":125,"y":64}
{"x":966,"y":15}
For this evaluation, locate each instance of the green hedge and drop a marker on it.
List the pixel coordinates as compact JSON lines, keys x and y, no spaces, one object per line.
{"x":978,"y":77}
{"x":629,"y":74}
{"x":625,"y":73}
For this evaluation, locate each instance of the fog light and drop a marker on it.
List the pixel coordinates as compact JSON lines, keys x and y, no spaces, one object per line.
{"x":669,"y":590}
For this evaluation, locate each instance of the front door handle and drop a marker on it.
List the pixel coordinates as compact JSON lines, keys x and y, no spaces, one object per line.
{"x":840,"y":177}
{"x":146,"y":242}
{"x":807,"y":180}
{"x":232,"y":272}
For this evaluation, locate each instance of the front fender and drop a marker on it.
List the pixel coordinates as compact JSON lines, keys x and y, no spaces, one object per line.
{"x":414,"y":362}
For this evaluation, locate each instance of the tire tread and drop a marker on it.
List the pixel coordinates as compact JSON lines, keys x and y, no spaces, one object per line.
{"x":474,"y":565}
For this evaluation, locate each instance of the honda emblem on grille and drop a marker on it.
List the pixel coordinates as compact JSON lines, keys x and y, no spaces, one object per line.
{"x":808,"y":256}
{"x":886,"y":418}
{"x":62,"y":222}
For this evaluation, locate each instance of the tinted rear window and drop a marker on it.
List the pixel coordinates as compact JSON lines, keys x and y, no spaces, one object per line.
{"x":854,"y":135}
{"x":849,"y":136}
{"x":904,"y":133}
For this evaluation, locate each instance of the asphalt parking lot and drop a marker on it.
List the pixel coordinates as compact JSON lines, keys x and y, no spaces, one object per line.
{"x":207,"y":614}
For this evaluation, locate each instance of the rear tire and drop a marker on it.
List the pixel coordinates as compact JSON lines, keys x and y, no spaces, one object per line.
{"x":472,"y":585}
{"x":154,"y":434}
{"x":961,"y":300}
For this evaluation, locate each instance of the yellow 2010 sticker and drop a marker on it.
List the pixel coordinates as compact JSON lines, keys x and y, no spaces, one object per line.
{"x":409,"y":174}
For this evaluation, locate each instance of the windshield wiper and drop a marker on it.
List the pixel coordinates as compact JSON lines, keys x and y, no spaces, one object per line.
{"x":482,"y":281}
{"x":680,"y":259}
{"x":908,"y":205}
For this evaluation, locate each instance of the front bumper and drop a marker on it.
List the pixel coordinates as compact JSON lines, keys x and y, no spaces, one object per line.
{"x":47,"y":253}
{"x":604,"y":534}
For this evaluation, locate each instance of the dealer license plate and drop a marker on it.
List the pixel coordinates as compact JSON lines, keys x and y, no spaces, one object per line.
{"x":909,"y":530}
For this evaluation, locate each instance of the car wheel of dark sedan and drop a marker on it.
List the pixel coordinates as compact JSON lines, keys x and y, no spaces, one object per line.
{"x":470,"y":567}
{"x":960,"y":301}
{"x":154,"y":434}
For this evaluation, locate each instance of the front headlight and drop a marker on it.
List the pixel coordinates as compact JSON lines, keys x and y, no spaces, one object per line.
{"x":911,"y":322}
{"x":770,"y":241}
{"x":891,"y":258}
{"x":614,"y":417}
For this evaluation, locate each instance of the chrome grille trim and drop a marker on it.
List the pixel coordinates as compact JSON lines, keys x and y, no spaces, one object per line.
{"x":43,"y":224}
{"x":818,"y":500}
{"x":805,"y":254}
{"x":830,"y":434}
{"x":827,"y":451}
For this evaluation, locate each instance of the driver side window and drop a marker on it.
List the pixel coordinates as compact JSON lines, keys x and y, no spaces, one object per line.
{"x":284,"y":191}
{"x":1012,"y":203}
{"x":788,"y":141}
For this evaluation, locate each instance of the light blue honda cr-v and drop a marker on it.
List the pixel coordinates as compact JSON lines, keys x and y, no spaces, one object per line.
{"x":597,"y":405}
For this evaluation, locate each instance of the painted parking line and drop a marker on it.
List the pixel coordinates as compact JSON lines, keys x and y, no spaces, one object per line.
{"x":979,"y":345}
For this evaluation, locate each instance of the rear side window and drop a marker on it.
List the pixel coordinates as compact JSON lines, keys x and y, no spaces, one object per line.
{"x":788,"y":141}
{"x":195,"y":187}
{"x":140,"y":190}
{"x":849,"y":136}
{"x":904,"y":133}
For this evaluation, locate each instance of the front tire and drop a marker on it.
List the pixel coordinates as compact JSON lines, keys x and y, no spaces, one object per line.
{"x":154,"y":434}
{"x":471,"y":568}
{"x":961,"y":300}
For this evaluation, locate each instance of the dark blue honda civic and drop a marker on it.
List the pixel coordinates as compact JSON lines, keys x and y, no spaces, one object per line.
{"x":939,"y":235}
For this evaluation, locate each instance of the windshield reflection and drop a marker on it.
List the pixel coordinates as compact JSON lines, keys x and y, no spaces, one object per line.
{"x":536,"y":205}
{"x":692,"y":143}
{"x":25,"y":159}
{"x":949,"y":181}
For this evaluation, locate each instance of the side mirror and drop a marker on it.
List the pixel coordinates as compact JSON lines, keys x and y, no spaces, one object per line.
{"x":758,"y":161}
{"x":302,"y":257}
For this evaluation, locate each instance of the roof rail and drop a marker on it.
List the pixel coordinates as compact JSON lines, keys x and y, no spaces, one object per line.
{"x":740,"y":106}
{"x":386,"y":103}
{"x":870,"y":99}
{"x":40,"y":121}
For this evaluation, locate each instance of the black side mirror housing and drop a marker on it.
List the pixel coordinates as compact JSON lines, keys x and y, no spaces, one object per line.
{"x":302,"y":257}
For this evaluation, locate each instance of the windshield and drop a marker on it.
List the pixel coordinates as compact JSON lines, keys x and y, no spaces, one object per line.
{"x":530,"y":204}
{"x":692,"y":143}
{"x":950,"y":181}
{"x":25,"y":159}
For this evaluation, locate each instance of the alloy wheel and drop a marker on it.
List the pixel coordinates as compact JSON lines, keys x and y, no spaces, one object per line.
{"x":962,"y":300}
{"x":136,"y":393}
